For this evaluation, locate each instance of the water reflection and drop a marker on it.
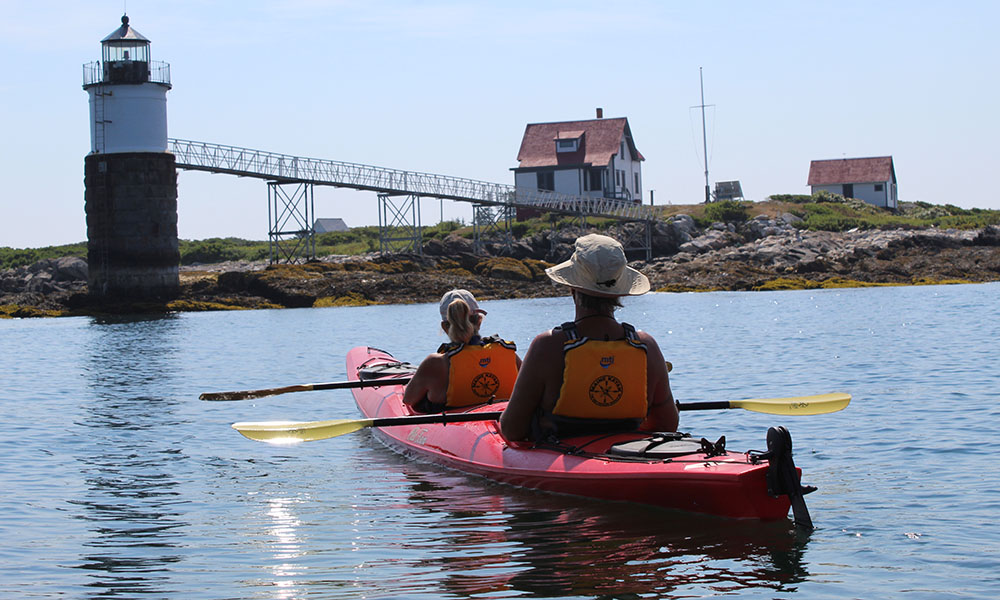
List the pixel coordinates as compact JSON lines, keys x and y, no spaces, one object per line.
{"x":285,"y":545}
{"x":129,"y":459}
{"x":497,"y":541}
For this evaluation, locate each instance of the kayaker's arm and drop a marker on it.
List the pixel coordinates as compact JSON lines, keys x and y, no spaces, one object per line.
{"x":662,"y":414}
{"x":535,"y":379}
{"x":430,"y":381}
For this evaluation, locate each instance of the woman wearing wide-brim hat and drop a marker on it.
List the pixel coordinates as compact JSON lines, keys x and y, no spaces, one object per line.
{"x":592,"y":374}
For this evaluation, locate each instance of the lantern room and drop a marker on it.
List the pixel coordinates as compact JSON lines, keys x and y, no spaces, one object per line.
{"x":125,"y":55}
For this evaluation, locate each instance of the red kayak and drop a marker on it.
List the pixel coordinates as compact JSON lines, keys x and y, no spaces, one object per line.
{"x":672,"y":471}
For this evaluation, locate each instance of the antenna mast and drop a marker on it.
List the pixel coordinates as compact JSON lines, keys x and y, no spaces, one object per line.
{"x":704,"y":136}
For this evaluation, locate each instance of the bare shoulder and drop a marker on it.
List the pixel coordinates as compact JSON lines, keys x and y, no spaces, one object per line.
{"x":546,"y":343}
{"x":653,"y":352}
{"x":646,"y":338}
{"x":433,"y":362}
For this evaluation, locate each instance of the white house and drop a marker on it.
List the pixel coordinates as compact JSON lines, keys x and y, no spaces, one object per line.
{"x":329,"y":225}
{"x":870,"y":179}
{"x":583,"y":158}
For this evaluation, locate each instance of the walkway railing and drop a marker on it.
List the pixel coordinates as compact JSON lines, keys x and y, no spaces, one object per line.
{"x":246,"y":162}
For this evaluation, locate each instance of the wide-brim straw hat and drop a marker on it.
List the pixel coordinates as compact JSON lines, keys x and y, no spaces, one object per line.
{"x":599,"y":267}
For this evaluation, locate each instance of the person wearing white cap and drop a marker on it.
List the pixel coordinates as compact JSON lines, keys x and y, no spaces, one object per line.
{"x":468,"y":370}
{"x":593,"y":374}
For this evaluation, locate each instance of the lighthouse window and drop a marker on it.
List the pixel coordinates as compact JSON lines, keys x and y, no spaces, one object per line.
{"x":124,"y":53}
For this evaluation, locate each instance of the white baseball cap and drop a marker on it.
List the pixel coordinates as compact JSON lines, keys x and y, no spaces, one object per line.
{"x":453,"y":295}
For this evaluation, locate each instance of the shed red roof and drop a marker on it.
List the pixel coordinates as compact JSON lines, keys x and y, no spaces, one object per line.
{"x":851,"y":170}
{"x":599,"y":141}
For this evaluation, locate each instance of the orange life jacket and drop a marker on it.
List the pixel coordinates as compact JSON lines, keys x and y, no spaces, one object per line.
{"x":479,"y":372}
{"x":602,"y":380}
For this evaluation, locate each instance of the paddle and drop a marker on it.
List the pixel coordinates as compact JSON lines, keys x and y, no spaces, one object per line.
{"x":819,"y":404}
{"x":305,"y":387}
{"x":308,"y":431}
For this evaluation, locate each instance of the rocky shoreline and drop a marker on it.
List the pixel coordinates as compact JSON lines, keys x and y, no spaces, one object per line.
{"x":762,"y":254}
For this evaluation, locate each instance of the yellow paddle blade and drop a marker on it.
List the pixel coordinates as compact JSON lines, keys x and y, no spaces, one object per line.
{"x":800,"y":405}
{"x":292,"y":432}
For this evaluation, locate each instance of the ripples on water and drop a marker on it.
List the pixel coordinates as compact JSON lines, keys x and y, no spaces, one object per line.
{"x":118,"y":483}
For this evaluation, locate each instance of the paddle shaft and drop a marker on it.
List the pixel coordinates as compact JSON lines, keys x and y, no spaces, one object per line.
{"x":306,"y":387}
{"x":716,"y":405}
{"x":442,"y":418}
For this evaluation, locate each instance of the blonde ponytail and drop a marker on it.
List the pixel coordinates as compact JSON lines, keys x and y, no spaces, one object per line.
{"x":463,"y":324}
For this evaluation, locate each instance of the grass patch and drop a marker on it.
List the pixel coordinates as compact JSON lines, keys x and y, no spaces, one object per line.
{"x":11,"y":258}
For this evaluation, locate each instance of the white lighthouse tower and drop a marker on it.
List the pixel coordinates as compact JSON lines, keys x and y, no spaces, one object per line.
{"x":131,"y":180}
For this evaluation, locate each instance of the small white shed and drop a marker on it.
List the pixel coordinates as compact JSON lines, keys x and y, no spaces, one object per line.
{"x":329,"y":225}
{"x":870,"y":179}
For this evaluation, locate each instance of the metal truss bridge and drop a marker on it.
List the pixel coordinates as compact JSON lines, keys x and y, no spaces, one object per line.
{"x":291,"y":215}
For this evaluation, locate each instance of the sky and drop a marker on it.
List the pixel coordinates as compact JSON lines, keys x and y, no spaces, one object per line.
{"x":447,"y":87}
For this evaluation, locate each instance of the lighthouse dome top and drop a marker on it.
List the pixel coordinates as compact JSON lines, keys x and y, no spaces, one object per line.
{"x":125,"y":33}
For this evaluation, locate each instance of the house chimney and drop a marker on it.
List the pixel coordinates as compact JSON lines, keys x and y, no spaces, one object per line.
{"x":600,"y":113}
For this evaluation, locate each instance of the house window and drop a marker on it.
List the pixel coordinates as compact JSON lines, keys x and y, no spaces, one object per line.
{"x":636,"y":188}
{"x":621,"y":151}
{"x":596,"y":179}
{"x":546,"y":180}
{"x":878,"y":187}
{"x":566,"y":145}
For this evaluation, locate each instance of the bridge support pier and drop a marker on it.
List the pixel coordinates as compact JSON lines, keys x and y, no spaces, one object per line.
{"x":399,"y":224}
{"x":638,"y":239}
{"x":290,"y":220}
{"x":490,"y":221}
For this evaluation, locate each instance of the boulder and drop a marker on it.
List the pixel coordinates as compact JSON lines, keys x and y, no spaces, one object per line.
{"x":40,"y":282}
{"x":684,"y":223}
{"x":69,"y":268}
{"x":711,"y":240}
{"x":456,"y":244}
{"x":989,"y":236}
{"x":669,"y":236}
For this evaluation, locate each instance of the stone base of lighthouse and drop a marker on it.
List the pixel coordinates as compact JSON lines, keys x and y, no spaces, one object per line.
{"x":131,"y":205}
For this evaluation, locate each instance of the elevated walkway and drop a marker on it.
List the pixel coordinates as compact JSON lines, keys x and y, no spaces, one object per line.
{"x":291,"y":213}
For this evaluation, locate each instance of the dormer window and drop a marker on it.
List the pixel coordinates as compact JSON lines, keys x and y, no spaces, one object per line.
{"x":568,"y":141}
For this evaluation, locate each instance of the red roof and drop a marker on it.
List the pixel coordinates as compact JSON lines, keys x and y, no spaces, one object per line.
{"x":599,"y":141}
{"x":851,"y":170}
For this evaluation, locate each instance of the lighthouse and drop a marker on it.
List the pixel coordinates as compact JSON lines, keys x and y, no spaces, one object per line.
{"x":130,"y":178}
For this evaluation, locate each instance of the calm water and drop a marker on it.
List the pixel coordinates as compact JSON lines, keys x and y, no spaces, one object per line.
{"x":117,"y":482}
